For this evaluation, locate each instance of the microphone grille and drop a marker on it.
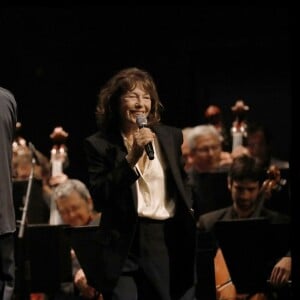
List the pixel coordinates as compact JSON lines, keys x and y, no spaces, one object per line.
{"x":141,"y":120}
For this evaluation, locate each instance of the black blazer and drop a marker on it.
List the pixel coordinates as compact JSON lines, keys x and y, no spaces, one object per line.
{"x":112,"y":187}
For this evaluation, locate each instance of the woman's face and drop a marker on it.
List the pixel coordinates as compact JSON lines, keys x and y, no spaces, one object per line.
{"x":133,"y":103}
{"x":74,"y":210}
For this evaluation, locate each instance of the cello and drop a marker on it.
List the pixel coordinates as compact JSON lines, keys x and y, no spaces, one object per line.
{"x":225,"y":289}
{"x":59,"y":161}
{"x":274,"y":182}
{"x":224,"y":286}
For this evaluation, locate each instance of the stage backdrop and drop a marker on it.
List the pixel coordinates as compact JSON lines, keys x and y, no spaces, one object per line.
{"x":55,"y":59}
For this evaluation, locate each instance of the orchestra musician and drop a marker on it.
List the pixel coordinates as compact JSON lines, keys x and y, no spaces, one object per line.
{"x":245,"y":181}
{"x":76,"y":208}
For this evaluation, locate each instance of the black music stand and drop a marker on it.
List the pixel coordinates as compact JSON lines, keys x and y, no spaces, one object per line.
{"x":44,"y":259}
{"x":251,"y":248}
{"x":87,"y":242}
{"x":205,"y":272}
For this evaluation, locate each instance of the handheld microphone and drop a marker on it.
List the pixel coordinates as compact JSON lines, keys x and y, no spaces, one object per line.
{"x":141,"y":120}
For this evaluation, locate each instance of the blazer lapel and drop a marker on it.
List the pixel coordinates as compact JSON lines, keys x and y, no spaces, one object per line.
{"x":168,"y":148}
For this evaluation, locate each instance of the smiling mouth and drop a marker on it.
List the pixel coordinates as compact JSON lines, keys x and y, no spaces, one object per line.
{"x":137,"y":113}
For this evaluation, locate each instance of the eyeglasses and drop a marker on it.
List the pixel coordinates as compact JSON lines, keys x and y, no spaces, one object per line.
{"x":206,"y":149}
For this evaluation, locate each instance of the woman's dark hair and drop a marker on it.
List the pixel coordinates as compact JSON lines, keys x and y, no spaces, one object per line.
{"x":107,"y":109}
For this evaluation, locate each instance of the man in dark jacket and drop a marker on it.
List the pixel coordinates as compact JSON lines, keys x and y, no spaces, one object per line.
{"x":8,"y":120}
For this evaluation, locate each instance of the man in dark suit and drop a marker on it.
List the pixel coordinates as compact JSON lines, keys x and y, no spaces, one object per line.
{"x":147,"y":223}
{"x":8,"y":120}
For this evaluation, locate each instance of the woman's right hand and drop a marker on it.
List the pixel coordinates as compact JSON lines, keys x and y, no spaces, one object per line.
{"x":141,"y":138}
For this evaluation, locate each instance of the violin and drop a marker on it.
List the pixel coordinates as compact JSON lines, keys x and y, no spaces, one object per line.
{"x":239,"y":125}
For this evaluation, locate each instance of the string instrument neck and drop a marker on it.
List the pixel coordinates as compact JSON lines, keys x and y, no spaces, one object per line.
{"x":59,"y":155}
{"x":239,"y":125}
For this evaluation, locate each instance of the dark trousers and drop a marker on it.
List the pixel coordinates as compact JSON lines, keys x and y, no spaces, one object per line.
{"x":146,"y":275}
{"x":7,"y":266}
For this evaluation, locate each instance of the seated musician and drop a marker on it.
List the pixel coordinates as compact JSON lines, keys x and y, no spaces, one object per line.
{"x":205,"y":144}
{"x":245,"y":179}
{"x":76,"y":208}
{"x":26,"y":160}
{"x":22,"y":163}
{"x":258,"y":144}
{"x":208,"y":169}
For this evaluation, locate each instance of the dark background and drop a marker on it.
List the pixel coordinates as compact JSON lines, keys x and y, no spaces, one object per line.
{"x":55,"y":59}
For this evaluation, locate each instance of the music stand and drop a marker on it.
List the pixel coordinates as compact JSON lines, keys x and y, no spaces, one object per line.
{"x":251,"y":248}
{"x":206,"y":286}
{"x":87,"y":242}
{"x":45,"y":259}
